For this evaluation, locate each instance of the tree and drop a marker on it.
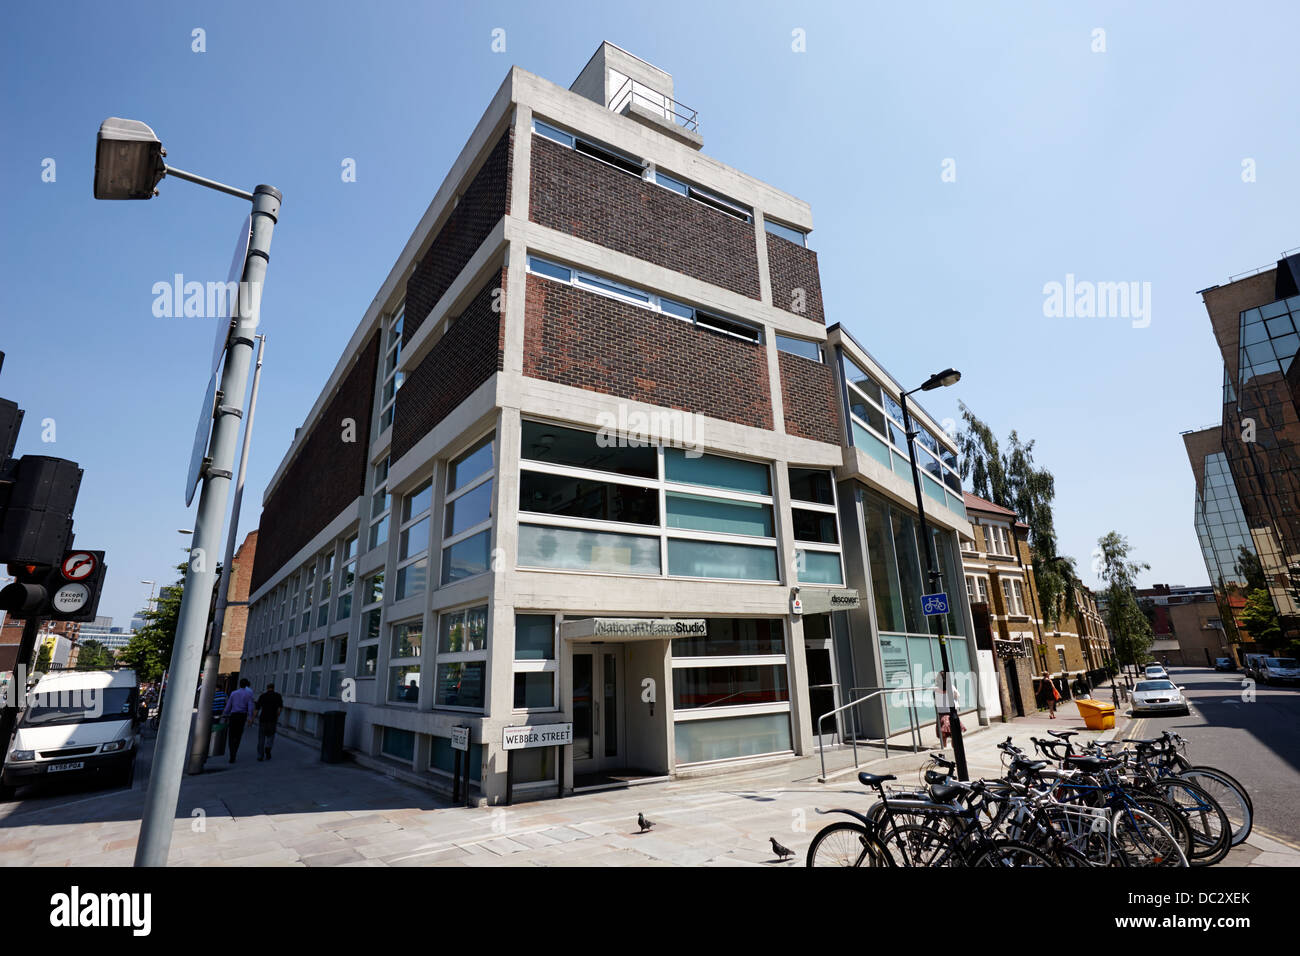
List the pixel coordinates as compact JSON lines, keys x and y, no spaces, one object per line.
{"x":1251,"y":570}
{"x":44,"y":655}
{"x":1129,"y":626}
{"x":1259,"y":617}
{"x":1012,"y":480}
{"x":92,"y":655}
{"x":149,"y":652}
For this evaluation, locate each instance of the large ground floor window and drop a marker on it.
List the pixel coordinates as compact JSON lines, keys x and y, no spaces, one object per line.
{"x":914,"y":660}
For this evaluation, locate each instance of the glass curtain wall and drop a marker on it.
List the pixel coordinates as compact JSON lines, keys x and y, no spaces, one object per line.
{"x":909,"y":651}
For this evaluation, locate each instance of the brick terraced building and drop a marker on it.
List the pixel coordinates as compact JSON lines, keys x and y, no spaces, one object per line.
{"x":600,"y":453}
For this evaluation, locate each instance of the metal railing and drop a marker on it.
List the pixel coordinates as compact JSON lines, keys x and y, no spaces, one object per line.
{"x":648,"y":98}
{"x":884,"y":717}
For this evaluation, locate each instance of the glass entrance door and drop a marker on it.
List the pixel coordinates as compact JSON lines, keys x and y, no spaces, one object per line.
{"x":823,"y":692}
{"x":598,"y":708}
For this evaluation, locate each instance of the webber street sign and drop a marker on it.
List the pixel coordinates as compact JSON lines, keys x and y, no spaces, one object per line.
{"x":537,"y":735}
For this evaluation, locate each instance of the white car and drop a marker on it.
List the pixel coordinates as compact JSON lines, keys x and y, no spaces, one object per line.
{"x":1159,"y":697}
{"x":1156,"y":672}
{"x":1279,"y":670}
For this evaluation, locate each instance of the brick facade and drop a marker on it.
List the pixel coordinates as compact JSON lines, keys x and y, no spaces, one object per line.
{"x":591,"y":341}
{"x":793,"y":267}
{"x":584,"y":197}
{"x":470,"y":351}
{"x":327,"y":475}
{"x":481,"y":206}
{"x":236,"y":619}
{"x":812,"y":406}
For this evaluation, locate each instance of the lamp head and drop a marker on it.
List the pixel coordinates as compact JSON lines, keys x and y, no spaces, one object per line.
{"x":949,"y":376}
{"x":128,"y":160}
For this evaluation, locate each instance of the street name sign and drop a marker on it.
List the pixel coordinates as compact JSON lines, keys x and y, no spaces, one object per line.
{"x":537,"y":735}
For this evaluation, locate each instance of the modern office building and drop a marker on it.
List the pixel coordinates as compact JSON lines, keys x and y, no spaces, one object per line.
{"x":102,"y":630}
{"x":598,"y":471}
{"x":1254,"y":319}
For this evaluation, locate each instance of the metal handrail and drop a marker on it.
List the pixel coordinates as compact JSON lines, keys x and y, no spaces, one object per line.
{"x":821,"y":745}
{"x":683,"y":115}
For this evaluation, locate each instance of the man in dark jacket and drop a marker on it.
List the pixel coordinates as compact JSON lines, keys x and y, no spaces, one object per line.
{"x":269,"y":706}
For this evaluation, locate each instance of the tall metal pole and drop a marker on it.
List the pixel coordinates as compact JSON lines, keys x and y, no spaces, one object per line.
{"x":936,"y":583}
{"x":173,"y":731}
{"x":211,"y":663}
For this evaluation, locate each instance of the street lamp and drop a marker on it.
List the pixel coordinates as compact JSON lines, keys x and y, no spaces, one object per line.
{"x":129,"y":164}
{"x":949,"y":376}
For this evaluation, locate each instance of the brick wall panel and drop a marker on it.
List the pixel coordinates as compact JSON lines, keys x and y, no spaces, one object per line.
{"x":484,"y":202}
{"x":578,"y":338}
{"x":469,"y":352}
{"x":811,"y":404}
{"x":592,"y":200}
{"x":793,"y":267}
{"x":327,"y":475}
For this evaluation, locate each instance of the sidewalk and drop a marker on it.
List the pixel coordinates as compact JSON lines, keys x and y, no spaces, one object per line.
{"x":297,"y":811}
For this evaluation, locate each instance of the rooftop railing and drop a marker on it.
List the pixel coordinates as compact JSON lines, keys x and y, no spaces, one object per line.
{"x":632,"y":93}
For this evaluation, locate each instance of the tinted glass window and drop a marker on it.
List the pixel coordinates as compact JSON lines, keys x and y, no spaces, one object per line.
{"x":586,"y":498}
{"x":569,"y":446}
{"x":811,"y":484}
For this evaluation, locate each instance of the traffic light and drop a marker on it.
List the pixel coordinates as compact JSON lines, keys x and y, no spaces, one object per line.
{"x":68,"y":591}
{"x":36,"y":501}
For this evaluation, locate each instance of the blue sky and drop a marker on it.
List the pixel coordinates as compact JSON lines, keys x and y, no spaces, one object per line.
{"x":1122,"y":165}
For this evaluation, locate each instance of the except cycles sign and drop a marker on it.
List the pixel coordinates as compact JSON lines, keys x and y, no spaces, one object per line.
{"x":537,"y":735}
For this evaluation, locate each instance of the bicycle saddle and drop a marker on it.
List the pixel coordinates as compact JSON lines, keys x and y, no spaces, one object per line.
{"x":874,"y":779}
{"x":1064,"y":734}
{"x":1032,"y":765}
{"x":1090,"y":764}
{"x":1139,"y":740}
{"x":944,"y":794}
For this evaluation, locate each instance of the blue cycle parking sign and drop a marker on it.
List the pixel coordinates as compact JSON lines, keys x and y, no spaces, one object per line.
{"x":934,"y":603}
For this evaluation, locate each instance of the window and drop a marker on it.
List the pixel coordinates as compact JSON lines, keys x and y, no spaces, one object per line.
{"x":1060,"y":655}
{"x":413,"y":543}
{"x":587,"y":147}
{"x":877,"y":423}
{"x":535,"y":664}
{"x":708,"y":516}
{"x":380,"y":505}
{"x":797,"y":236}
{"x":308,"y":587}
{"x":317,"y":665}
{"x":467,"y":525}
{"x":398,"y":743}
{"x":326,"y":585}
{"x":391,"y":377}
{"x":801,"y":347}
{"x":293,"y":605}
{"x":347,"y":577}
{"x":407,"y":644}
{"x":816,"y":527}
{"x":460,"y":675}
{"x":301,"y":669}
{"x":601,"y":285}
{"x":338,"y":660}
{"x":372,"y":600}
{"x":1019,"y":589}
{"x":706,"y":196}
{"x":731,"y":692}
{"x":1014,"y":596}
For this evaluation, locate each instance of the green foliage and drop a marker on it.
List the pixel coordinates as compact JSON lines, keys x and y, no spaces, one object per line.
{"x":1129,"y":626}
{"x":1260,"y":618}
{"x":1012,"y":480}
{"x":149,"y":651}
{"x":43,"y":657}
{"x":92,"y":655}
{"x":1250,"y":568}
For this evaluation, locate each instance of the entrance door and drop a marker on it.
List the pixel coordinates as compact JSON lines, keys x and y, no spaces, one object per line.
{"x":1013,"y":686}
{"x":598,"y":708}
{"x":823,"y":694}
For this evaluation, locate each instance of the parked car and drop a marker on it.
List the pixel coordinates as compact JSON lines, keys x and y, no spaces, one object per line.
{"x":1159,"y":697}
{"x":1252,"y":663}
{"x":1156,"y":672}
{"x":1224,"y":664}
{"x":1280,"y":670}
{"x":77,"y":724}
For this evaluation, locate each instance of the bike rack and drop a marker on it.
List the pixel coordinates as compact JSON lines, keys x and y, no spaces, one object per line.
{"x":875,"y":692}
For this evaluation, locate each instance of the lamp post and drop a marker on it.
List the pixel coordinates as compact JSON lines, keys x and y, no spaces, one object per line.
{"x":949,"y":376}
{"x":129,"y":165}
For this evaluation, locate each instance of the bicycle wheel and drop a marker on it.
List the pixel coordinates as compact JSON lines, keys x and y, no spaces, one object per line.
{"x":1013,"y":854}
{"x":1142,"y":841}
{"x":1234,"y":800}
{"x":844,"y":844}
{"x":915,"y":844}
{"x":1168,"y":816}
{"x":1209,"y":825}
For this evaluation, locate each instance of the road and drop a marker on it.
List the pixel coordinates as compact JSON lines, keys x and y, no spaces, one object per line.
{"x":1252,"y":732}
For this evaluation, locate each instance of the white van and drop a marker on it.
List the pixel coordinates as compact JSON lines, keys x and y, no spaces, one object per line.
{"x":74,"y":724}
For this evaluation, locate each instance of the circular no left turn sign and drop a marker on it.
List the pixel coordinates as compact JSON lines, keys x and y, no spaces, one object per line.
{"x":78,"y":565}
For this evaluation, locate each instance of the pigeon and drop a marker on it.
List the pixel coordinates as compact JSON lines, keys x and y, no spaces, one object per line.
{"x":643,"y":823}
{"x":784,"y":852}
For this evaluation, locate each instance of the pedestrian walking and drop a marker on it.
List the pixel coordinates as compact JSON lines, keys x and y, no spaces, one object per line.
{"x":239,"y":708}
{"x":269,"y":706}
{"x":1051,"y":695}
{"x":943,"y":704}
